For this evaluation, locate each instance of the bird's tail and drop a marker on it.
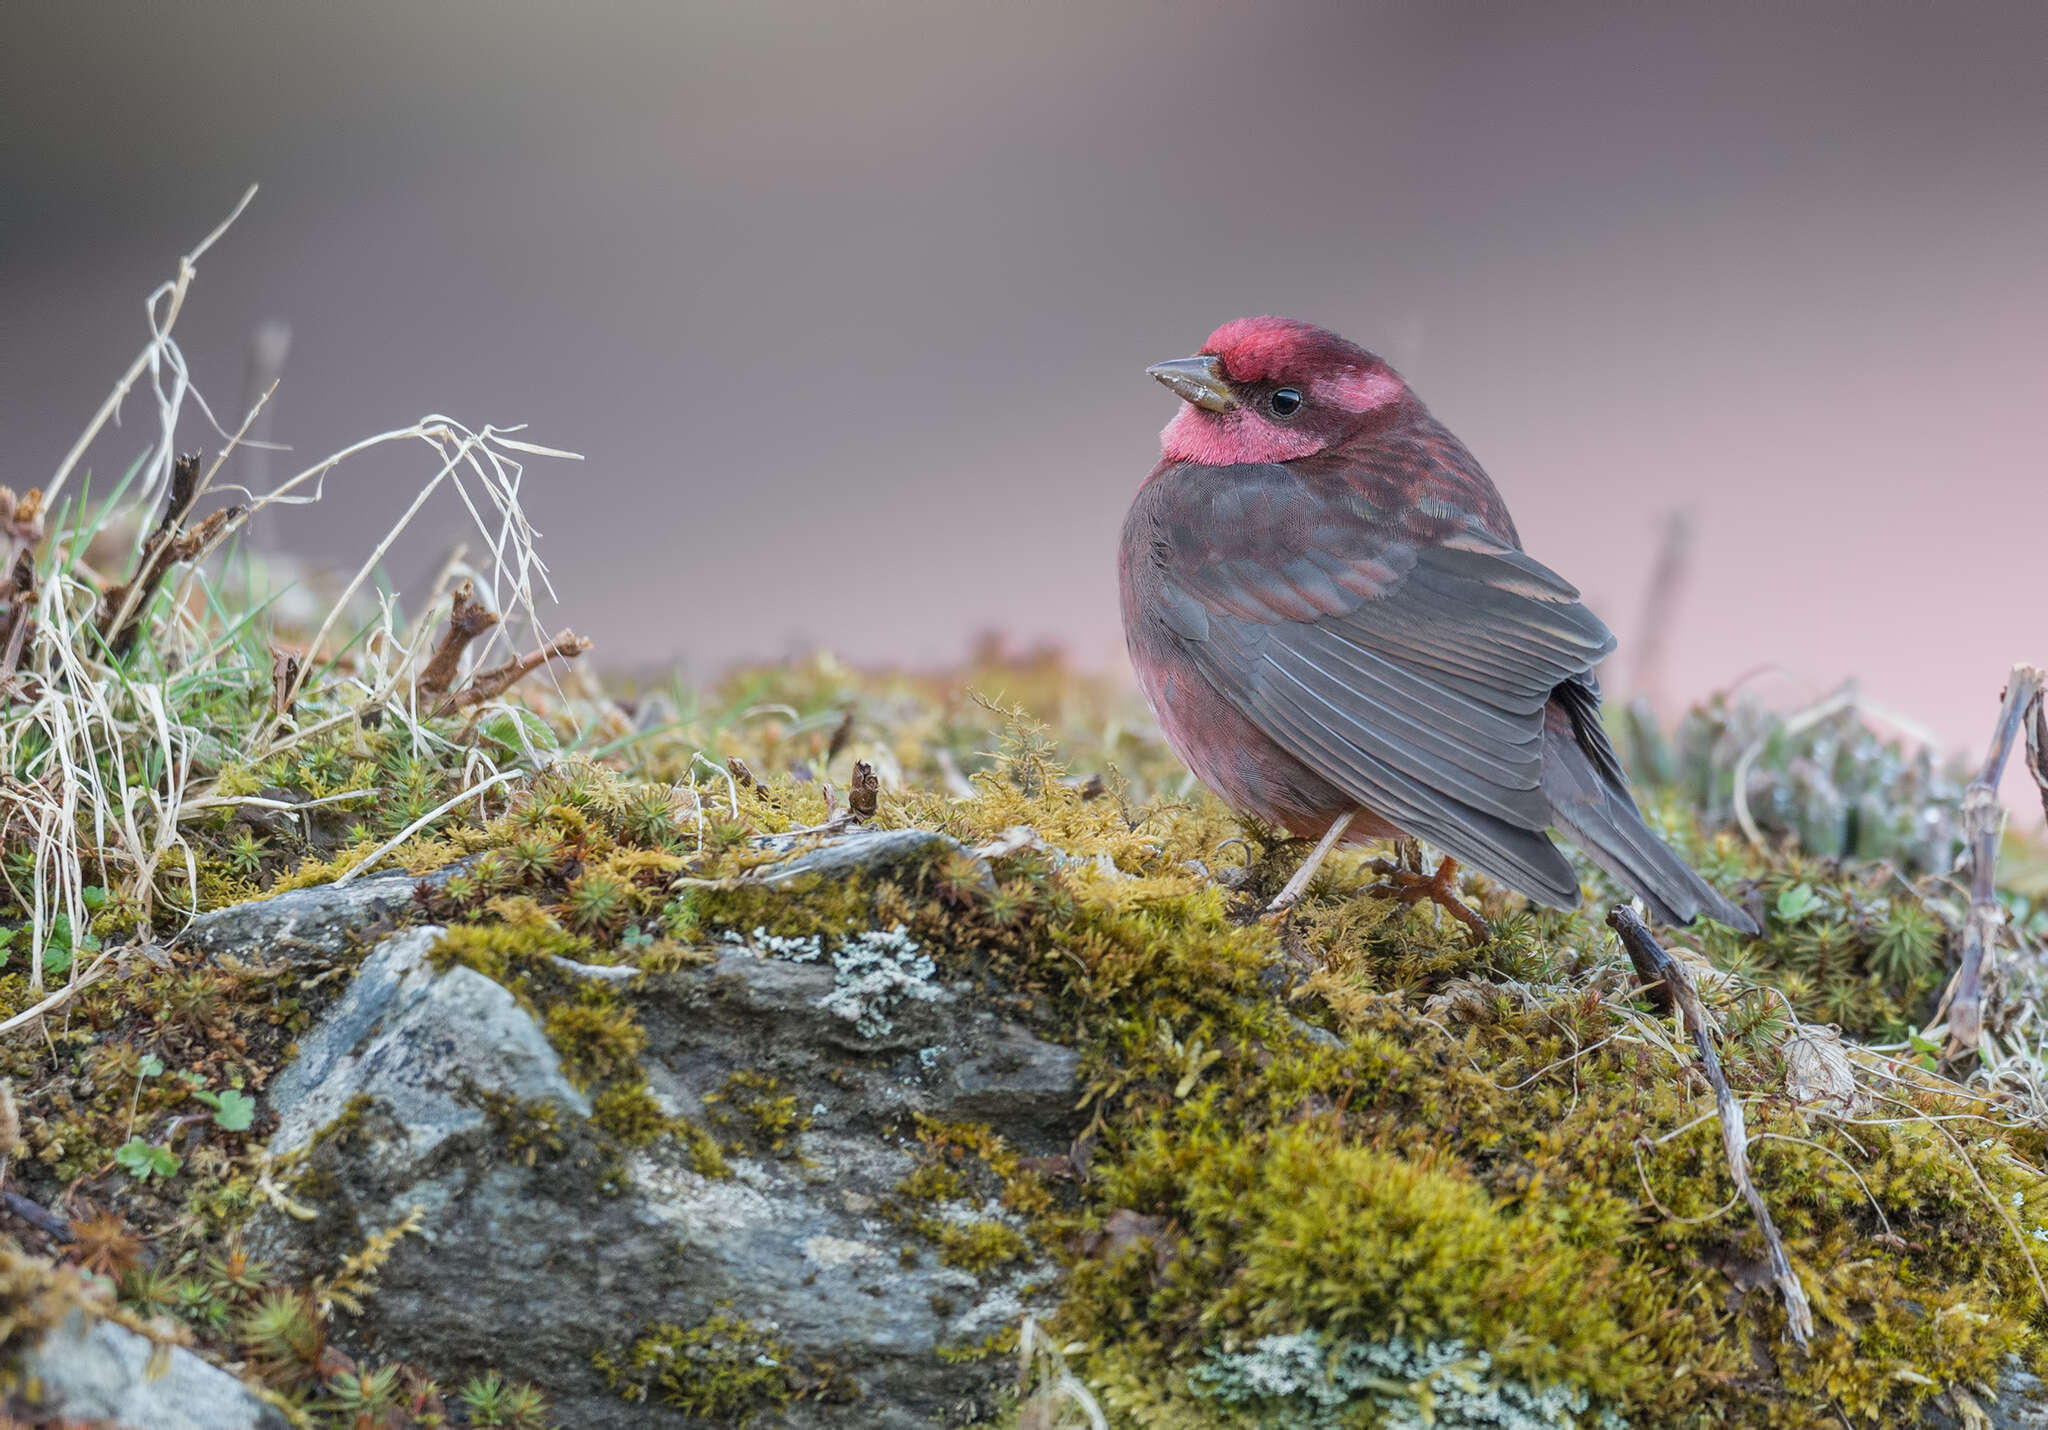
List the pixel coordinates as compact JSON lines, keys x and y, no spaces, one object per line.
{"x":1600,"y":816}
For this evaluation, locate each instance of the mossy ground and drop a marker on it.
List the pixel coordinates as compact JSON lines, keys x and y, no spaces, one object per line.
{"x":1353,"y":1125}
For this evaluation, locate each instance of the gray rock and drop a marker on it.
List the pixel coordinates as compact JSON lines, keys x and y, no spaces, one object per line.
{"x":308,"y":923}
{"x":865,"y":852}
{"x":99,"y":1371}
{"x":2022,"y":1404}
{"x":535,"y":1253}
{"x":419,"y":1043}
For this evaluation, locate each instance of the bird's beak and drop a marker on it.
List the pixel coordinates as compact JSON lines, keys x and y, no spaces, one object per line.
{"x":1198,"y":380}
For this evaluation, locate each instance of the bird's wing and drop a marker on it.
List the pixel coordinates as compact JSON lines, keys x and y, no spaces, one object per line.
{"x":1397,"y":648}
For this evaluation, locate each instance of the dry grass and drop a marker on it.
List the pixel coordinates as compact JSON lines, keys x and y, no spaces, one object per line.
{"x":110,"y":745}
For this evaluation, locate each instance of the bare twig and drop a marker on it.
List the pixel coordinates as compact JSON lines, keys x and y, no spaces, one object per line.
{"x":865,"y":791}
{"x":21,"y":533}
{"x":1983,"y":823}
{"x":284,"y":683}
{"x":2037,"y":748}
{"x":37,"y":1215}
{"x":122,"y":607}
{"x":490,"y":684}
{"x":1667,"y":583}
{"x":1655,"y":966}
{"x":468,"y":618}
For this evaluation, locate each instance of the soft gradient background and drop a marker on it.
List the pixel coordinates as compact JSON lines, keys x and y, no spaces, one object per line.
{"x":848,"y":304}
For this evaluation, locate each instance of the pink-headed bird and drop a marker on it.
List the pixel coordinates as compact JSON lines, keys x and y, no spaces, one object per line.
{"x":1331,"y":614}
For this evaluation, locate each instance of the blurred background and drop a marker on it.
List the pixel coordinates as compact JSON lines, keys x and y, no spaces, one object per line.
{"x":847,"y":305}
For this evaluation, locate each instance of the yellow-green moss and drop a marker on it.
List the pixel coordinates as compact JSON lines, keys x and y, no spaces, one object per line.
{"x":598,"y":1039}
{"x":723,"y":1369}
{"x":760,"y":1110}
{"x":980,"y":1246}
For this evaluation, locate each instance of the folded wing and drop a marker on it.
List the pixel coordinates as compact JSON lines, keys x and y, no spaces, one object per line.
{"x":1404,"y":653}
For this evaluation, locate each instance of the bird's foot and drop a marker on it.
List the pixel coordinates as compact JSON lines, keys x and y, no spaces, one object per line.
{"x":1406,"y":881}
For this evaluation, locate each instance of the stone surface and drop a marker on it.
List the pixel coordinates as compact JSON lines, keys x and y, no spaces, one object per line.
{"x":544,"y":1241}
{"x":307,"y":923}
{"x":420,"y":1044}
{"x":2022,"y":1404}
{"x":859,"y":851}
{"x":98,"y":1372}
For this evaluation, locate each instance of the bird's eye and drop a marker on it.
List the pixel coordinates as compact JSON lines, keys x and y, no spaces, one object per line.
{"x":1285,"y":402}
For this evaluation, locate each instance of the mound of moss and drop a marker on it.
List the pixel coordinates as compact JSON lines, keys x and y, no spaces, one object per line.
{"x":1344,"y":1170}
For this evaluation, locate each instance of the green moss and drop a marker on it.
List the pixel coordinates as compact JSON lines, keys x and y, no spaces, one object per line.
{"x":979,"y":1246}
{"x":598,"y":1038}
{"x":628,"y":1111}
{"x":760,"y":1111}
{"x":724,"y":1369}
{"x":990,"y":1347}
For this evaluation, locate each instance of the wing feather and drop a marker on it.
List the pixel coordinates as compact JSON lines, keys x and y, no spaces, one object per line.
{"x":1409,"y":667}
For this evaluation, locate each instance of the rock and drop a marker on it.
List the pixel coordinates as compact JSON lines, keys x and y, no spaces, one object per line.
{"x":865,"y":852}
{"x":2022,"y":1404}
{"x":545,"y":1242}
{"x":99,"y":1372}
{"x":419,"y":1043}
{"x":308,"y":923}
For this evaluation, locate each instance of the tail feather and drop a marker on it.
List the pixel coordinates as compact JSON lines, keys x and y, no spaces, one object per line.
{"x":1601,"y":817}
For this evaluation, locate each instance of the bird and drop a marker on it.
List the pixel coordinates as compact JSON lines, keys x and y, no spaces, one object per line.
{"x":1329,"y":610}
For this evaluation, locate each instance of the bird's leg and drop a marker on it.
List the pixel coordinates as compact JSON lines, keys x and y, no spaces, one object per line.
{"x":1291,"y":895}
{"x":1411,"y":886}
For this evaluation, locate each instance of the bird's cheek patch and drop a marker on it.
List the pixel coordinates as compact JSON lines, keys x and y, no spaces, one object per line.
{"x":1225,"y":439}
{"x":1359,"y":390}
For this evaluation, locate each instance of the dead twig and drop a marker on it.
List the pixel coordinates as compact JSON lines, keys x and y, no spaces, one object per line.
{"x":284,"y":682}
{"x":490,"y":684}
{"x":865,"y":791}
{"x":1983,"y":823}
{"x":1667,"y":584}
{"x":1656,"y":967}
{"x":21,"y":533}
{"x":468,"y":618}
{"x":122,"y":607}
{"x":2037,"y":747}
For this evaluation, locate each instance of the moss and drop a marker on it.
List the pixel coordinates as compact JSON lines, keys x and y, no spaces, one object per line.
{"x":628,"y":1111}
{"x":980,"y":1246}
{"x":990,"y":1347}
{"x":528,"y":1132}
{"x":765,"y":1116}
{"x":724,"y":1369}
{"x":599,"y":1039}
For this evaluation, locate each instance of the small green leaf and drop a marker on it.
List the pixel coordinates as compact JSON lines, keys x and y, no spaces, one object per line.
{"x":1797,"y":902}
{"x":232,"y":1111}
{"x":56,"y":958}
{"x":93,"y":895}
{"x":141,"y":1159}
{"x":150,"y":1066}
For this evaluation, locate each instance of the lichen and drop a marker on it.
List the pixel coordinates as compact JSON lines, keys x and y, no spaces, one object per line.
{"x":1306,"y":1381}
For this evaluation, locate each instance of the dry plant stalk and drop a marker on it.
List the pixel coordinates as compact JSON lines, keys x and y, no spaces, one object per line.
{"x":1669,"y":986}
{"x":21,"y":533}
{"x":864,"y":794}
{"x":122,"y":607}
{"x":285,"y":671}
{"x":489,"y":684}
{"x":468,"y":618}
{"x":1983,"y":823}
{"x":67,"y":794}
{"x":1049,"y":1395}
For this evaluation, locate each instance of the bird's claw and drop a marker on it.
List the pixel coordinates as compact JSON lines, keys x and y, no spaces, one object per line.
{"x":1411,"y":887}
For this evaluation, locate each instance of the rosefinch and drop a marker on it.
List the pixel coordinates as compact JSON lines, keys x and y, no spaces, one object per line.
{"x":1332,"y":616}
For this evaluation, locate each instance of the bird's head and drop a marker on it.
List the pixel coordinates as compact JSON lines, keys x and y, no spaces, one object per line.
{"x":1272,"y":390}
